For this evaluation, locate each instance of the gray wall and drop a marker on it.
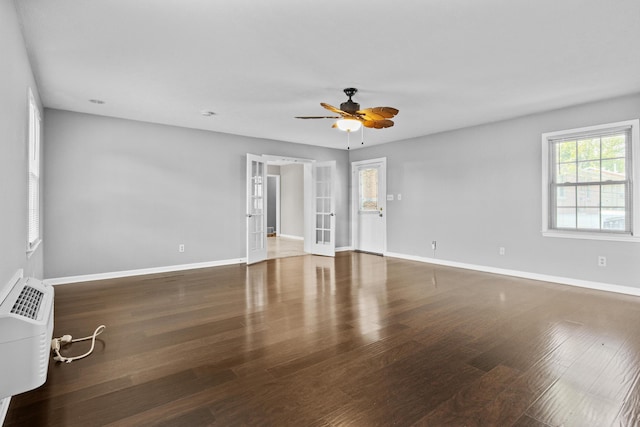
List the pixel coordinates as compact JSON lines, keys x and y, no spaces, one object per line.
{"x":122,"y":194}
{"x":15,"y":79}
{"x":476,"y":189}
{"x":292,"y":200}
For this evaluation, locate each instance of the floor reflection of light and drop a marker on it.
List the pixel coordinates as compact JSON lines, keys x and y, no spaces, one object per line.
{"x":369,"y":275}
{"x":319,"y":283}
{"x":591,"y":366}
{"x":256,"y":285}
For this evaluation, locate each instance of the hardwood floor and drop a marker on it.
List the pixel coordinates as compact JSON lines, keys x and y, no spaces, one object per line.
{"x":359,"y":340}
{"x":282,"y":247}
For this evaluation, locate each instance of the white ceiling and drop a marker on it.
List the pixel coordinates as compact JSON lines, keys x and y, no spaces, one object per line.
{"x":444,"y":64}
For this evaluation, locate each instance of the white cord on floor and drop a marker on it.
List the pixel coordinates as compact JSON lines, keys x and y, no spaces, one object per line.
{"x":56,"y":343}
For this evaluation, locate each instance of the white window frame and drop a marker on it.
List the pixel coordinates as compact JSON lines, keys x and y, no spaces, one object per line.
{"x":33,"y":176}
{"x":634,"y":177}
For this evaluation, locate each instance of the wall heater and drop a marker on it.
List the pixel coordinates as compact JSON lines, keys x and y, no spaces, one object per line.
{"x":26,"y":329}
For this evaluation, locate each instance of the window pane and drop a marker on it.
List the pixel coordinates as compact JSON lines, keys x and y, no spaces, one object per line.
{"x":320,"y":173}
{"x":566,"y":217}
{"x":613,"y":219}
{"x":257,"y":207}
{"x":589,"y":218}
{"x":368,"y":179}
{"x":613,"y":146}
{"x":566,"y":151}
{"x":259,"y":242}
{"x":327,"y":188}
{"x":566,"y":196}
{"x":589,"y":171}
{"x":589,"y":149}
{"x":588,"y":196}
{"x":566,"y":172}
{"x":613,"y":196}
{"x":613,"y":170}
{"x":34,"y":208}
{"x":33,"y":219}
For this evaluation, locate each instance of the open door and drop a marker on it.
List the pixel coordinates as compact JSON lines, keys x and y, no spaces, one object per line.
{"x":324,"y":208}
{"x":256,"y":212}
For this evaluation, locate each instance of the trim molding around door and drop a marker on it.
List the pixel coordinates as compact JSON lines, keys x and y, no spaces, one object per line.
{"x":355,"y":196}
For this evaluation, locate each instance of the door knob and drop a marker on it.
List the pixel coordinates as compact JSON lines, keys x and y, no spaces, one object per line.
{"x":332,"y":214}
{"x":249,"y":215}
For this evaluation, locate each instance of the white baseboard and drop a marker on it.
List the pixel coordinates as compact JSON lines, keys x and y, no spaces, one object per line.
{"x":4,"y":408}
{"x":141,"y":272}
{"x":627,"y":290}
{"x":288,"y":236}
{"x":344,"y":249}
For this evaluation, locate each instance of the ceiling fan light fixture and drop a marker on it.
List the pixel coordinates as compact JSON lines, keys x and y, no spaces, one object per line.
{"x":348,"y":125}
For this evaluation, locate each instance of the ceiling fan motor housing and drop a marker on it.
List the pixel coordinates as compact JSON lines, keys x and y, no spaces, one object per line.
{"x":350,"y":106}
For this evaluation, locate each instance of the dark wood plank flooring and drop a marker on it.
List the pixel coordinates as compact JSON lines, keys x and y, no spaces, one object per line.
{"x":358,"y":340}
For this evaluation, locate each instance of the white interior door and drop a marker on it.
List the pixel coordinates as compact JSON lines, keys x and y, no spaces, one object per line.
{"x":369,"y":210}
{"x":256,"y":209}
{"x":324,"y":208}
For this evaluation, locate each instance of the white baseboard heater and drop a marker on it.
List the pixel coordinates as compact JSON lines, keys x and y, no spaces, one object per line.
{"x":26,"y":329}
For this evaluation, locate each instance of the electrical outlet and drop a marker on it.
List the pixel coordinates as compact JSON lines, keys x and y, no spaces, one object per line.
{"x":181,"y":247}
{"x":602,"y":261}
{"x":433,"y":245}
{"x":501,"y":250}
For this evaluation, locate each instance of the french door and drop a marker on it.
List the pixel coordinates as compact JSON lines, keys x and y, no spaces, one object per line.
{"x":324,"y":229}
{"x":256,"y":212}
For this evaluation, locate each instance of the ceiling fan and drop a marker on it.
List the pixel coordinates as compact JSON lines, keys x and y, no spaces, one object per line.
{"x":351,"y":117}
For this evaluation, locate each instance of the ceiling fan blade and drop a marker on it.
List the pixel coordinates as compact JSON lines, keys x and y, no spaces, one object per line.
{"x":317,"y":117}
{"x":344,"y":114}
{"x":378,"y":113}
{"x":378,"y":124}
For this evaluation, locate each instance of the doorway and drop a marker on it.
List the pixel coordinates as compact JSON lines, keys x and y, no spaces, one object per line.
{"x":318,"y":208}
{"x":369,"y":209}
{"x":285,"y":209}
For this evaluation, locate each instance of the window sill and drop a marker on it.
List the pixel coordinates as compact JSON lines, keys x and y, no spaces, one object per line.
{"x":33,"y":248}
{"x":591,"y":236}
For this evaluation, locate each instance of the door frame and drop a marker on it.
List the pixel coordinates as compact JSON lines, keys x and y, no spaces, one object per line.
{"x":308,"y":214}
{"x":355,"y":199}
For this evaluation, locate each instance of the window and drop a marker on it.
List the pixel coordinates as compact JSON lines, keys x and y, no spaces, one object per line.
{"x":588,"y":177}
{"x":368,"y":193}
{"x":34,"y":175}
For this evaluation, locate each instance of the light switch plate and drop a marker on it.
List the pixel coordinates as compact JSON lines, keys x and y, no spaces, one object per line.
{"x":390,"y":197}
